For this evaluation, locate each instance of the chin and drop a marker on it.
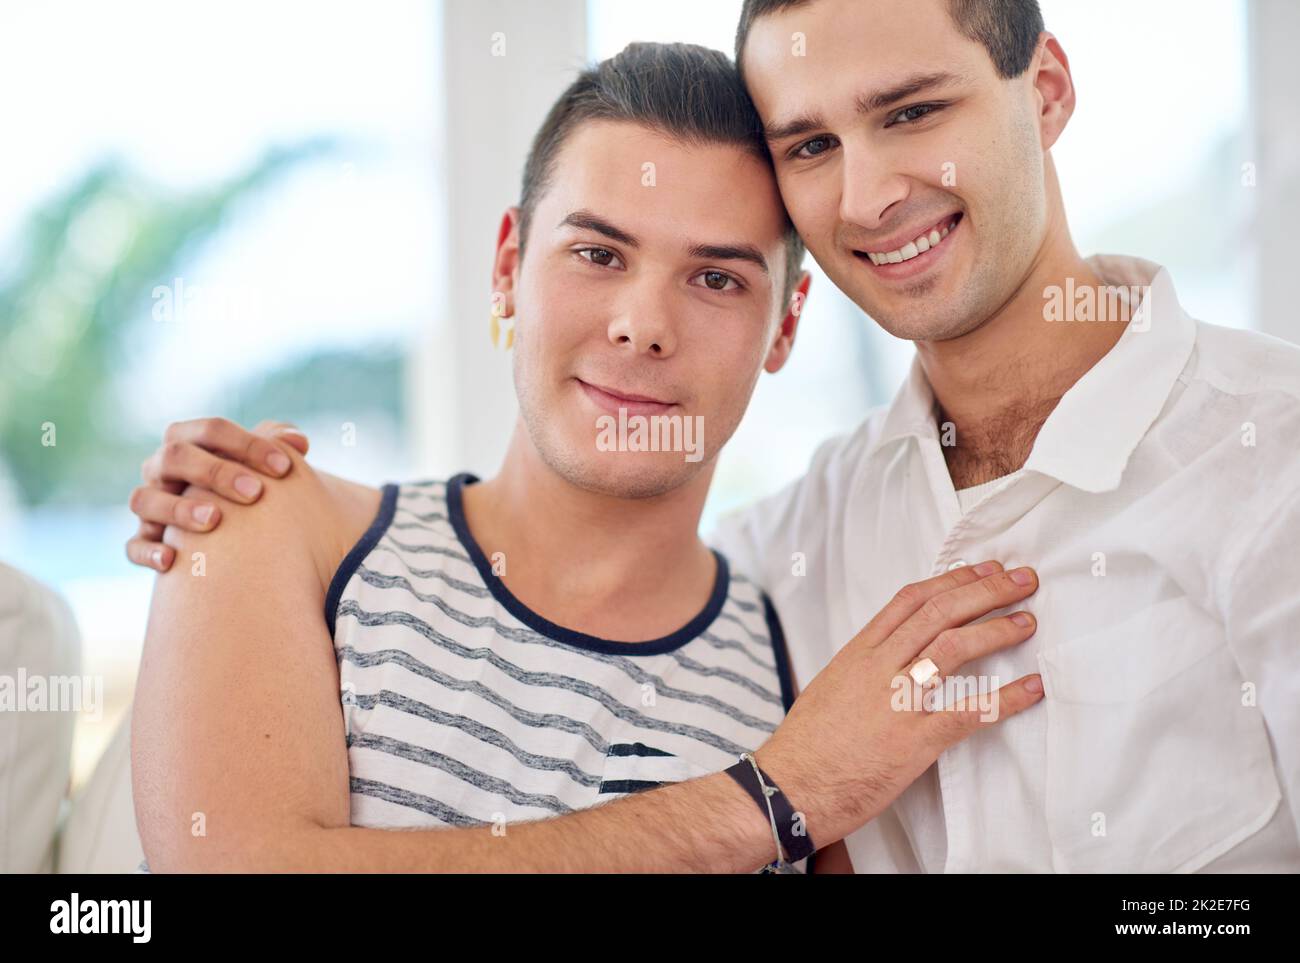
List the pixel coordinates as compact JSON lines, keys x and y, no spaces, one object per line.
{"x":916,"y":325}
{"x":624,"y":474}
{"x":927,"y":313}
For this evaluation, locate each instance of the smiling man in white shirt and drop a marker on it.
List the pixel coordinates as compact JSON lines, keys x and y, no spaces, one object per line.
{"x":1061,"y":411}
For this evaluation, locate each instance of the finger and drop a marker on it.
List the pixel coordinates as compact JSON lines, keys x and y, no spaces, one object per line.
{"x":151,"y":475}
{"x":150,"y":531}
{"x":223,"y":437}
{"x":283,"y":431}
{"x":191,"y":514}
{"x":910,"y":598}
{"x":187,"y":463}
{"x":953,"y":648}
{"x":153,"y":555}
{"x":958,"y":606}
{"x":951,"y":724}
{"x":291,"y":436}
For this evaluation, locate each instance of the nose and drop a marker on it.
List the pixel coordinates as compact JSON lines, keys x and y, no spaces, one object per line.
{"x":870,"y":189}
{"x":643,"y":325}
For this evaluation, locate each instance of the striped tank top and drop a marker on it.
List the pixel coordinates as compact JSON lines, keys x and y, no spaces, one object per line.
{"x":463,"y":707}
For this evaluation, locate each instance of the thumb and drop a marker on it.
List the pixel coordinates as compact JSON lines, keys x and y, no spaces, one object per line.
{"x":283,"y":431}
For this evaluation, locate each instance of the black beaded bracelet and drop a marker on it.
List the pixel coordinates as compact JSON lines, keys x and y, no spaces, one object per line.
{"x":775,"y":805}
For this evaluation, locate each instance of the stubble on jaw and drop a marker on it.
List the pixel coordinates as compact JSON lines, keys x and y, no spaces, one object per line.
{"x":562,"y":460}
{"x":921,"y":289}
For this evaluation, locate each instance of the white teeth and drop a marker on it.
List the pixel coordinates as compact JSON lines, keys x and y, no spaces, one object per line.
{"x":911,"y":249}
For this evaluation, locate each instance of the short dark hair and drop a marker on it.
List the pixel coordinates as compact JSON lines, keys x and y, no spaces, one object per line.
{"x":1007,"y":29}
{"x":690,"y":93}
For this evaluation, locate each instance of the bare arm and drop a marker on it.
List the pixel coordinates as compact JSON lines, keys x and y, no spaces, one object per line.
{"x":238,"y":734}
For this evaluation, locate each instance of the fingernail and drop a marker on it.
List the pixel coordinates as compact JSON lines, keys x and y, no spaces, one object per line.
{"x":156,"y":557}
{"x":203,"y":514}
{"x":986,"y":568}
{"x":248,"y":486}
{"x":278,"y":461}
{"x":1022,"y":576}
{"x":1022,"y":619}
{"x":1034,"y":684}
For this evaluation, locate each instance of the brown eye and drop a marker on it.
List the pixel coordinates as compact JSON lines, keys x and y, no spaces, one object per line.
{"x":716,"y":280}
{"x":598,"y":255}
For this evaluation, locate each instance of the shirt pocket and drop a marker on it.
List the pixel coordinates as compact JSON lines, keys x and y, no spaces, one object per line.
{"x":636,"y":766}
{"x":1154,"y":765}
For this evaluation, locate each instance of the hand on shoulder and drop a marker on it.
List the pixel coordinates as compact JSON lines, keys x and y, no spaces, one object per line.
{"x":307,"y":517}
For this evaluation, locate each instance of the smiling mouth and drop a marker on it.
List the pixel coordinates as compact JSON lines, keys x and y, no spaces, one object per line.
{"x":611,"y":400}
{"x":922,"y":244}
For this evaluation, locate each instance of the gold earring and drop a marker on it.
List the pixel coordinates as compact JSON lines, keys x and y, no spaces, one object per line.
{"x":495,"y":328}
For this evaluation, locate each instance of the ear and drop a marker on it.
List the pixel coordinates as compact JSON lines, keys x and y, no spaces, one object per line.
{"x":784,"y":343}
{"x":1055,"y":89}
{"x":505,"y":266}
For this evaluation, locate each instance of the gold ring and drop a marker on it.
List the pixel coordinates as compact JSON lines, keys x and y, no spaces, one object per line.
{"x":923,"y":671}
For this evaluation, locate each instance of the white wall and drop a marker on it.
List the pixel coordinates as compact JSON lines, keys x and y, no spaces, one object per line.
{"x":1275,"y":84}
{"x":462,"y":402}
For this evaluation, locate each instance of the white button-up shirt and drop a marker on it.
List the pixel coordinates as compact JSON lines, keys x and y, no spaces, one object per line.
{"x":1160,"y":506}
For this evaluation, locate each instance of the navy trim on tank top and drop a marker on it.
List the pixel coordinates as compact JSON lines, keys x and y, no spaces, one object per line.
{"x":364,"y":546}
{"x":692,"y":629}
{"x":778,"y":648}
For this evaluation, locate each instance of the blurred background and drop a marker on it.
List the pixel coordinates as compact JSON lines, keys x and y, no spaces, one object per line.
{"x":288,"y":211}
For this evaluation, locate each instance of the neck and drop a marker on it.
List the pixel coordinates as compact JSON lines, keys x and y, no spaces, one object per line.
{"x":998,"y":383}
{"x":629,"y":569}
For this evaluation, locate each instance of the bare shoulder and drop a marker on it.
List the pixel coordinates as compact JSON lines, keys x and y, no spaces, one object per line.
{"x":352,"y":508}
{"x":355,"y":505}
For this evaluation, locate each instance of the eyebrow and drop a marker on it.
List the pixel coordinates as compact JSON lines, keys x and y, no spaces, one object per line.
{"x":907,"y":88}
{"x":865,"y":104}
{"x":730,"y":252}
{"x":586,"y":220}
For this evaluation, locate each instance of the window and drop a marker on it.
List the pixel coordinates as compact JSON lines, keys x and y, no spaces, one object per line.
{"x":215,"y":219}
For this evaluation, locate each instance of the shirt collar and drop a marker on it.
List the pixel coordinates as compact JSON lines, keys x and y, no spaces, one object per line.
{"x":1087,"y":440}
{"x":912,"y":411}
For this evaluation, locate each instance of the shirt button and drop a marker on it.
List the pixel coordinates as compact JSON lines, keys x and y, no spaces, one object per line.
{"x":959,"y":563}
